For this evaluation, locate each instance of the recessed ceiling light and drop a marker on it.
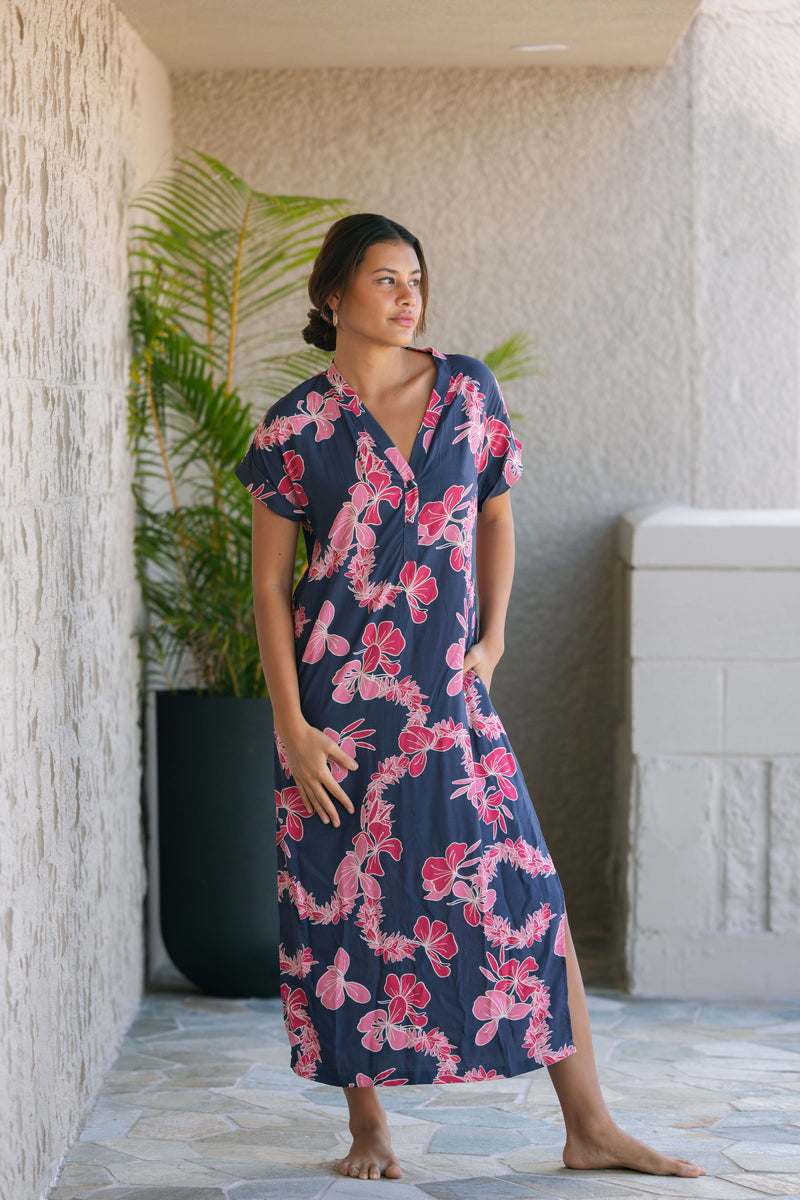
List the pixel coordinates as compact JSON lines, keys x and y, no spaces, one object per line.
{"x":552,"y":46}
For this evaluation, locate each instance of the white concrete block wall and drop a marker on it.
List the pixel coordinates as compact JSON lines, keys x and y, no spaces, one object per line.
{"x":85,"y":120}
{"x":710,"y":744}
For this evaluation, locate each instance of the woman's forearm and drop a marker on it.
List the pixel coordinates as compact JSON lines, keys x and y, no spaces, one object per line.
{"x":494,"y":568}
{"x":275,"y":630}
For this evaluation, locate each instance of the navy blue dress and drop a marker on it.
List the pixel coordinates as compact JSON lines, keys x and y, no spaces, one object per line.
{"x":422,"y":941}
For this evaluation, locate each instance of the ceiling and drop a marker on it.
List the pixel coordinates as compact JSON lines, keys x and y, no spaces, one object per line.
{"x":196,"y":35}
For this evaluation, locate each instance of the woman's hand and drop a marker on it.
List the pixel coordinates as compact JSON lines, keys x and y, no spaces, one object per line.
{"x":307,"y":751}
{"x":483,"y":656}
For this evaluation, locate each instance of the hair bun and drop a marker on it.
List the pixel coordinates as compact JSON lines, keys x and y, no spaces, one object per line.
{"x":319,"y":332}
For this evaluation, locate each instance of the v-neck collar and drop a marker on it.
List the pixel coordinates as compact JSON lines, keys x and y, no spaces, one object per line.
{"x":392,"y":453}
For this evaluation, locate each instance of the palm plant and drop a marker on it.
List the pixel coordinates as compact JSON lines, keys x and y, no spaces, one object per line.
{"x":218,"y":257}
{"x":214,"y":262}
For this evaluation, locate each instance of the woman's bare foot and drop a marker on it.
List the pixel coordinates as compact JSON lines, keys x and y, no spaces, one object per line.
{"x":609,"y":1146}
{"x":594,"y":1140}
{"x":371,"y":1152}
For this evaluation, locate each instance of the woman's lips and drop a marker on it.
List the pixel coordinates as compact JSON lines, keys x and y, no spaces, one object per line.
{"x":404,"y":320}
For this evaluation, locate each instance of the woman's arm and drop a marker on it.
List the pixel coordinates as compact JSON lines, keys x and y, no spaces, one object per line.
{"x":307,"y":748}
{"x":494,"y":571}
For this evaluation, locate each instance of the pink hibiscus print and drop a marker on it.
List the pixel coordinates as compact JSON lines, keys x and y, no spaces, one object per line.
{"x":350,"y":739}
{"x":439,"y":874}
{"x":498,"y":436}
{"x":368,"y":496}
{"x":437,"y":514}
{"x":296,"y":812}
{"x":512,"y":975}
{"x":382,"y":1079}
{"x":491,"y":809}
{"x":459,"y":538}
{"x":437,"y":943}
{"x":345,"y":525}
{"x":475,"y":900}
{"x":323,"y":411}
{"x":332,"y":985}
{"x":420,"y":588}
{"x":294,"y":1007}
{"x":353,"y":676}
{"x":289,"y":486}
{"x":396,"y":458}
{"x":416,"y":741}
{"x":560,"y":946}
{"x":321,"y":640}
{"x":381,"y":642}
{"x":491,"y":1008}
{"x":406,"y":994}
{"x":500,"y":764}
{"x":353,"y":875}
{"x":382,"y":842}
{"x":455,"y":659}
{"x":377,"y":1028}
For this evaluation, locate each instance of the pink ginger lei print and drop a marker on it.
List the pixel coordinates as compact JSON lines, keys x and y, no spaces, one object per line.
{"x":432,"y":917}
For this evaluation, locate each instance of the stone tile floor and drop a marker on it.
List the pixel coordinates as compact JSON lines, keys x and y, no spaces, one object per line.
{"x":200,"y":1104}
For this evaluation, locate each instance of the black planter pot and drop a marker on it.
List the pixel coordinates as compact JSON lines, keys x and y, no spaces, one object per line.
{"x":216,"y":834}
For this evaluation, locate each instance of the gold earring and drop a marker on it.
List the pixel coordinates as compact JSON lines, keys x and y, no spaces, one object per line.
{"x":335,"y":317}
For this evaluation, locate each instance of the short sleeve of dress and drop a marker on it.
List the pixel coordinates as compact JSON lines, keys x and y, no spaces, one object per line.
{"x":501,"y":457}
{"x":272,"y":471}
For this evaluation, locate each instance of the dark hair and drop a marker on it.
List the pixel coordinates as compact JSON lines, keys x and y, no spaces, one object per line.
{"x":344,"y":247}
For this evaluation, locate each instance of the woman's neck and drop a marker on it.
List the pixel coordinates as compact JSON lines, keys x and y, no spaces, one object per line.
{"x":374,"y":371}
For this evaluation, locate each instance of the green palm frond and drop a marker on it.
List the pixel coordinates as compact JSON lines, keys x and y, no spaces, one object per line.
{"x":208,"y":268}
{"x":225,"y":252}
{"x":512,"y":359}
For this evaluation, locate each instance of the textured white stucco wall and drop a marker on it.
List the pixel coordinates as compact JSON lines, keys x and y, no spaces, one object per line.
{"x":85,"y":116}
{"x":643,"y":226}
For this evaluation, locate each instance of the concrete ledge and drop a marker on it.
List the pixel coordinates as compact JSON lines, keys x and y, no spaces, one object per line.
{"x":676,"y":535}
{"x":716,"y":966}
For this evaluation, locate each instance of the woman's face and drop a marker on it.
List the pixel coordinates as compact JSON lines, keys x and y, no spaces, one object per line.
{"x":383,"y":301}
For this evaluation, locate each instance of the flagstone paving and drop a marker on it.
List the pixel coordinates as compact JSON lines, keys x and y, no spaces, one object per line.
{"x":201,"y":1104}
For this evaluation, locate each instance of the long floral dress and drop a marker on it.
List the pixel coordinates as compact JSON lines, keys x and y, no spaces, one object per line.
{"x":422,"y":941}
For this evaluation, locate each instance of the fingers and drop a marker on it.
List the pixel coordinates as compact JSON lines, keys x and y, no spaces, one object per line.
{"x":324,"y":805}
{"x":314,"y":780}
{"x":318,"y":792}
{"x":334,"y":750}
{"x":338,"y":792}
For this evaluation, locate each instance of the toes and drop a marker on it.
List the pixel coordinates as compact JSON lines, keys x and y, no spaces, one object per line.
{"x":374,"y":1171}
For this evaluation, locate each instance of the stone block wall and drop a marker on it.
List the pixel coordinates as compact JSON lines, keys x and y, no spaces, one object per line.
{"x":84,"y":108}
{"x":710,"y":748}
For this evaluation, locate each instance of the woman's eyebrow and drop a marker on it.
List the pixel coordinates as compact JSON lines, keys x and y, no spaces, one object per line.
{"x":394,"y":271}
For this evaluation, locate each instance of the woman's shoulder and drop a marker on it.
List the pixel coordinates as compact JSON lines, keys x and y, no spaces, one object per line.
{"x":293,"y":403}
{"x":468,"y":365}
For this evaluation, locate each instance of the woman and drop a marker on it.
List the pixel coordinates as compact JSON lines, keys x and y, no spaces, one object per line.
{"x":424,"y":935}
